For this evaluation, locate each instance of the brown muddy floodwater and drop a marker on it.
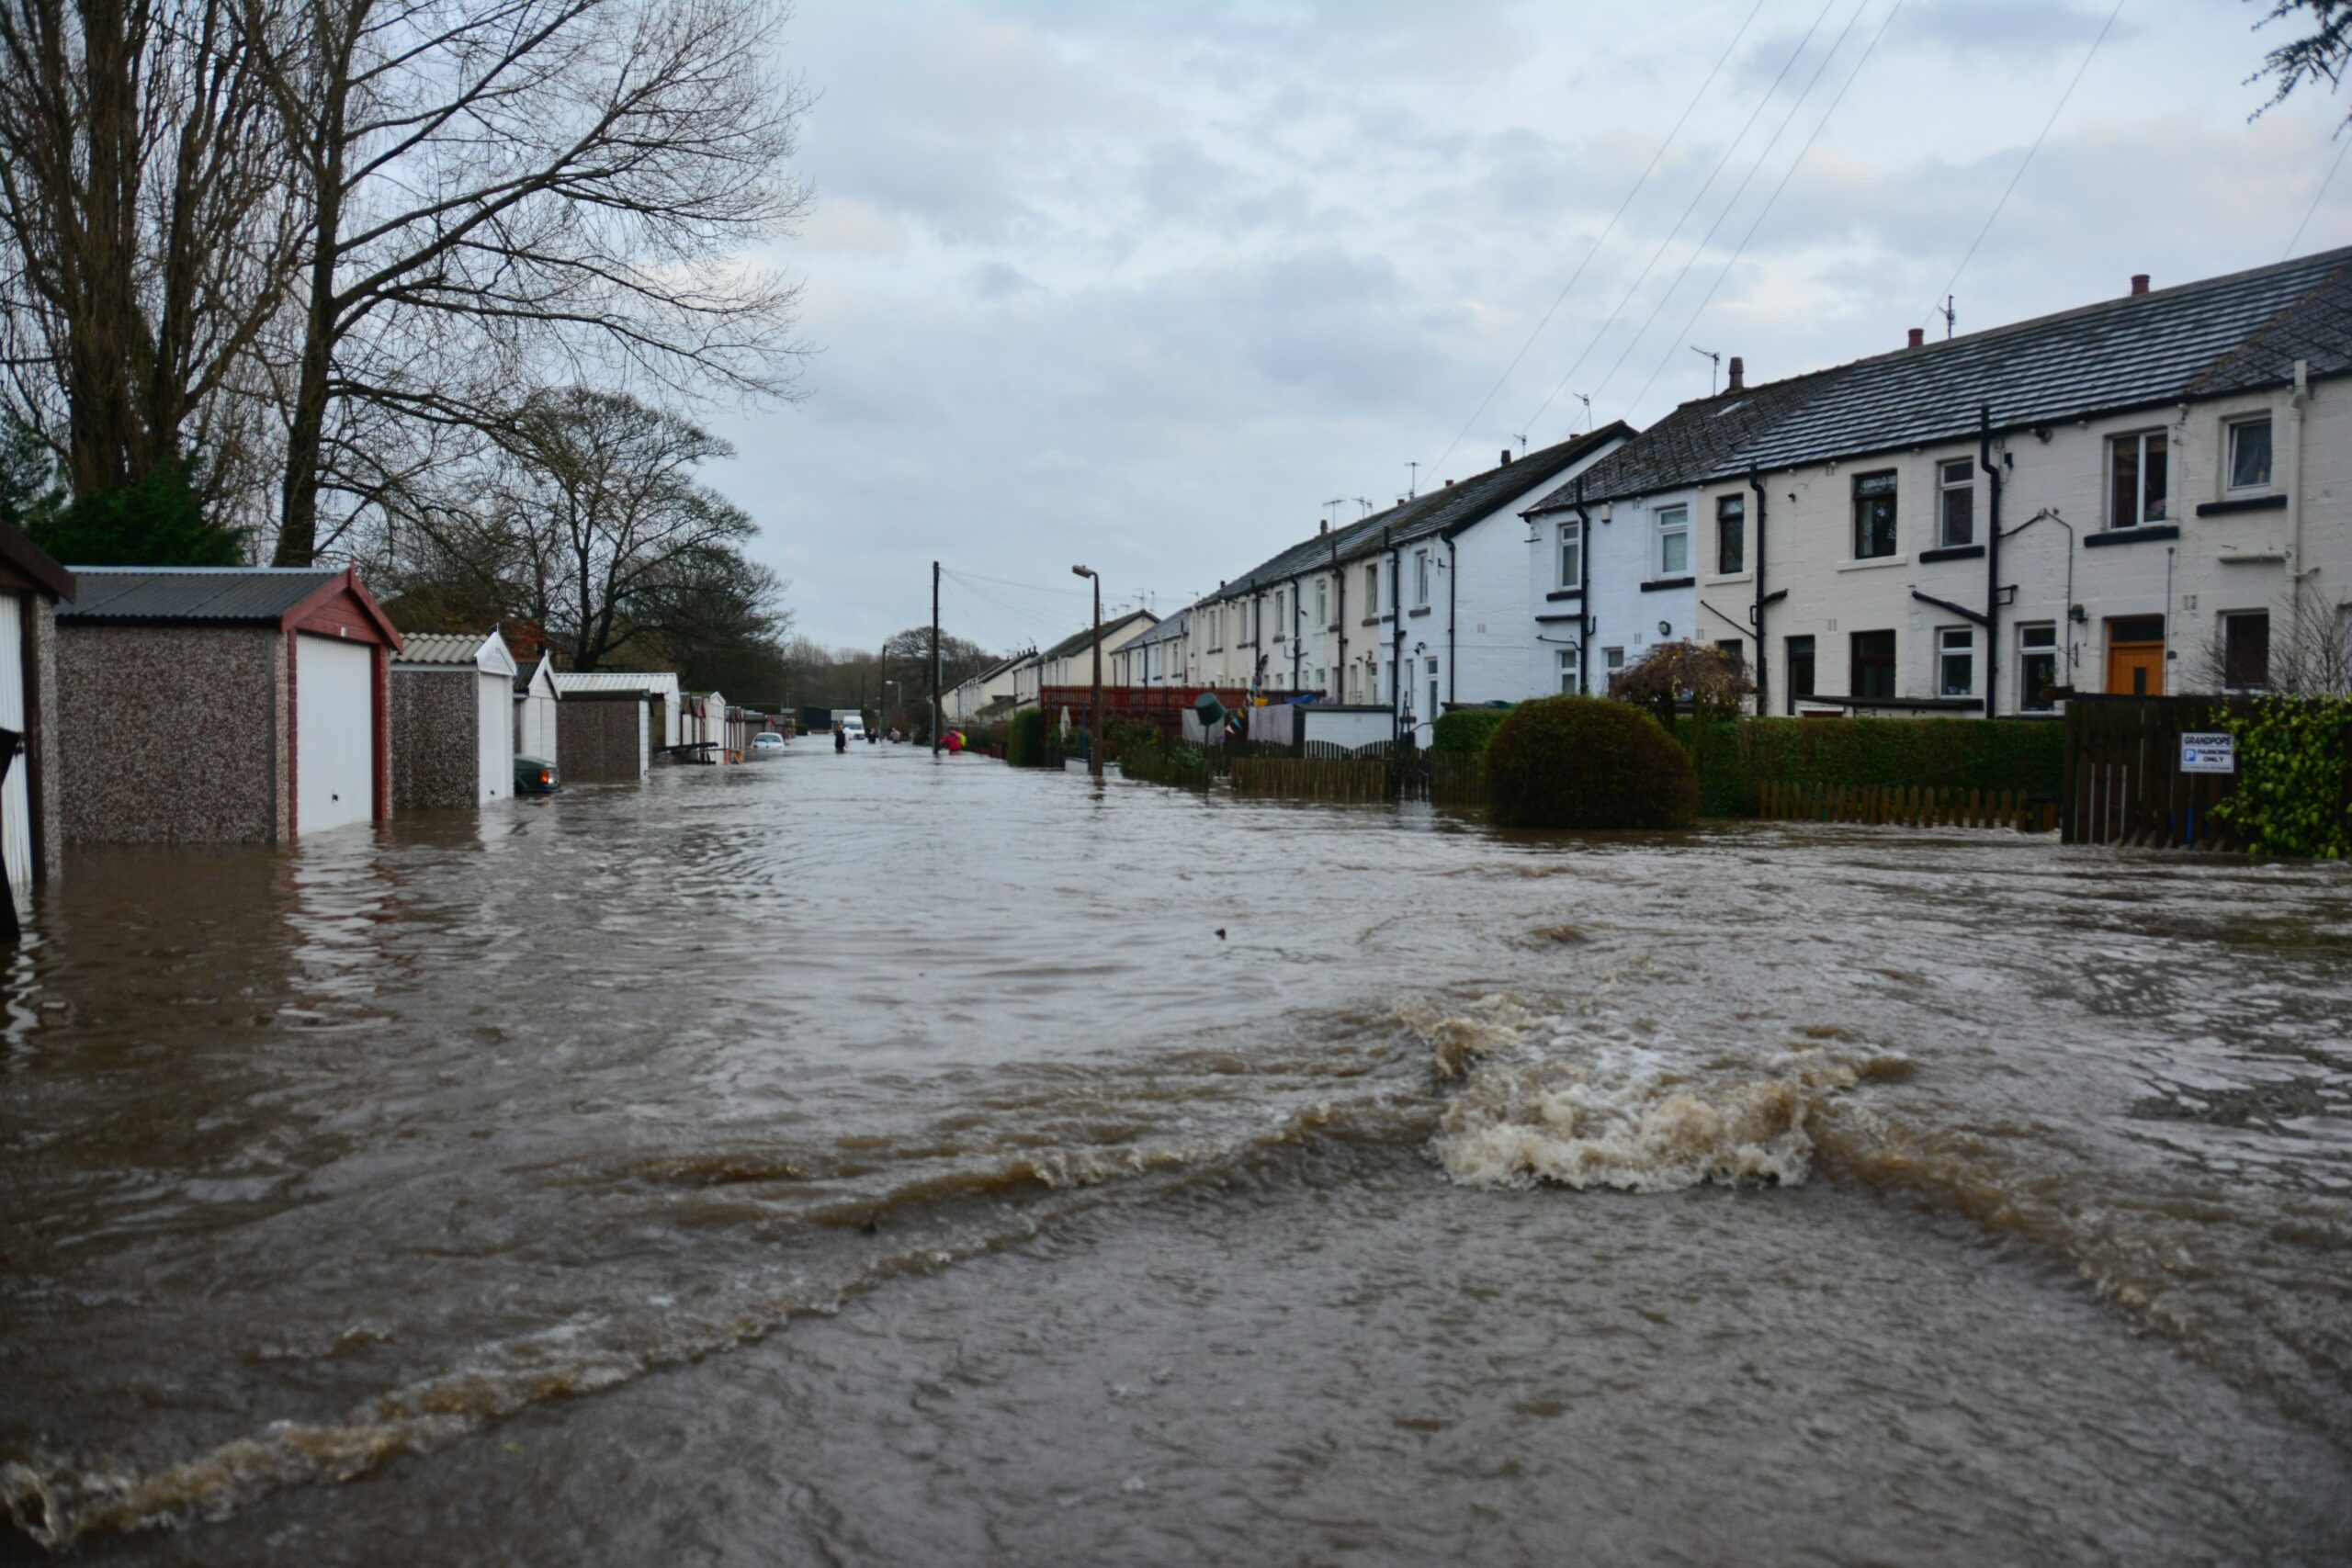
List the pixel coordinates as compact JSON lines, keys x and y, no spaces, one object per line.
{"x":870,"y":1159}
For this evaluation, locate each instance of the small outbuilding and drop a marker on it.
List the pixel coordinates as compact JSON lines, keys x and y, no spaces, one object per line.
{"x":31,"y":586}
{"x":453,"y":720}
{"x":222,"y":704}
{"x":535,"y":718}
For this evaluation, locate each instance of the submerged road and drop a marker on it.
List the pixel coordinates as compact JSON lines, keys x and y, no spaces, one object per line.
{"x":874,"y":1158}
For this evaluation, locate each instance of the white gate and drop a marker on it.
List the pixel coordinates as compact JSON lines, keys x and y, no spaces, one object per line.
{"x":16,"y":799}
{"x":495,"y":752}
{"x":335,"y":733}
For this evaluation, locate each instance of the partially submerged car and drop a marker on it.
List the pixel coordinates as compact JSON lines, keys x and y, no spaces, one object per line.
{"x":535,"y":776}
{"x":766,"y":743}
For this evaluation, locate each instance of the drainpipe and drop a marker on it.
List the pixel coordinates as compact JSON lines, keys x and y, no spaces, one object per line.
{"x":1992,"y":560}
{"x":1452,"y":599}
{"x":1756,"y":616}
{"x":1584,"y":592}
{"x":1339,"y":599}
{"x":1396,"y":640}
{"x":2300,"y":400}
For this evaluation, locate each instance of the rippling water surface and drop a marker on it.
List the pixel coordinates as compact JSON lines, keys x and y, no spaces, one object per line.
{"x":871,"y":1158}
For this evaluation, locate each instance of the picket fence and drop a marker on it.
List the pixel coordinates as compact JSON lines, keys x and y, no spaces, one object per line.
{"x":1915,"y":806}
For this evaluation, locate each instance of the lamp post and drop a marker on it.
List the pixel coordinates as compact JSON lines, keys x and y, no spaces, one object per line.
{"x":1094,"y":709}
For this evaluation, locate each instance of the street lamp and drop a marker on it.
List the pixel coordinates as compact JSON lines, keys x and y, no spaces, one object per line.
{"x":1094,"y":711}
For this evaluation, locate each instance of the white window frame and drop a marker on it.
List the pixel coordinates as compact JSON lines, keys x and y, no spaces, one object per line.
{"x":2140,"y":438}
{"x":2027,"y":650}
{"x":1570,"y":540}
{"x":1420,"y":577}
{"x":1944,"y":489}
{"x":2230,"y":455}
{"x":1567,"y":665}
{"x":1431,"y":672}
{"x":1670,"y":523}
{"x":1322,"y":604}
{"x":1952,"y":641}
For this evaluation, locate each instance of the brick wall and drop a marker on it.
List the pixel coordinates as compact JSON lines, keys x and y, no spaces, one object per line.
{"x":434,"y":739}
{"x":599,"y":742}
{"x":171,"y":734}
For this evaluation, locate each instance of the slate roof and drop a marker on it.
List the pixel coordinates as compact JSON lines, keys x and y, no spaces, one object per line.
{"x":226,"y":595}
{"x":526,"y":673}
{"x":1447,"y":508}
{"x":1078,"y":639}
{"x":2205,"y":339}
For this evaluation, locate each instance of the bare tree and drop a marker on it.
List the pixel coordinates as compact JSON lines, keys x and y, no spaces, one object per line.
{"x":2323,"y":54}
{"x":152,"y":232}
{"x":1684,"y":674}
{"x":2301,"y":647}
{"x":502,"y":186}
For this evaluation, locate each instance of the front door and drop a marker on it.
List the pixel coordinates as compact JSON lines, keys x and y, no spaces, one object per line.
{"x":2135,"y":657}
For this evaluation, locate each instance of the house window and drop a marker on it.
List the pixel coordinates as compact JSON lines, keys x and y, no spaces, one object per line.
{"x":2250,"y":455}
{"x":1322,"y":601}
{"x":1731,"y":533}
{"x":2246,"y":650}
{"x":1612,"y":664}
{"x":1873,"y":515}
{"x":1280,"y":602}
{"x":1371,"y":589}
{"x":2136,"y":479}
{"x":1431,"y":710}
{"x":1799,"y":667}
{"x":1735,"y":652}
{"x":1323,"y":680}
{"x":1956,"y":486}
{"x":2037,"y":667}
{"x":1421,"y":577}
{"x":1572,"y":554}
{"x":1674,"y":542}
{"x":1873,"y":667}
{"x":1567,"y":663}
{"x":1955,"y":661}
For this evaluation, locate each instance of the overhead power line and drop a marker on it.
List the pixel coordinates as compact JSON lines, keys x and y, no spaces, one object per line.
{"x":2317,"y":195}
{"x":1730,"y":148}
{"x":1608,"y":229}
{"x":1945,"y":292}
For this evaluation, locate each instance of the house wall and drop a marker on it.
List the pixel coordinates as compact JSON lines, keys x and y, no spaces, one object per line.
{"x":436,"y":747}
{"x":2217,"y":564}
{"x":171,"y":734}
{"x":601,"y":742}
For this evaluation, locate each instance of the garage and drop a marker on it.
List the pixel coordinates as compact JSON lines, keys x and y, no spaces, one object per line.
{"x":453,"y":720}
{"x":333,"y":724}
{"x":31,"y":587}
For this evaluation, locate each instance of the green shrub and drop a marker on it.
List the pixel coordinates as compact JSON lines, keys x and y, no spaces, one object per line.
{"x":1464,"y":732}
{"x":1734,"y":756}
{"x":1024,"y":746}
{"x":2291,"y":796}
{"x":1587,"y":762}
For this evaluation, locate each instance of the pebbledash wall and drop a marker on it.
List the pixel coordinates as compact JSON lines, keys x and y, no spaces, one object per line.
{"x":601,"y":741}
{"x":435,"y":717}
{"x":210,"y":769}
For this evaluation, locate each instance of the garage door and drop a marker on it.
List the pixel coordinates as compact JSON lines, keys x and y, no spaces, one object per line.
{"x":335,"y":737}
{"x":15,"y":798}
{"x":495,"y":721}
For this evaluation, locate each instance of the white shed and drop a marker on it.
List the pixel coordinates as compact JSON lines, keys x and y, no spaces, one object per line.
{"x":534,"y":700}
{"x":453,"y":720}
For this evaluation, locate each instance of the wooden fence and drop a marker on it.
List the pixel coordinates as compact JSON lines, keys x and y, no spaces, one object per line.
{"x":1916,"y":806}
{"x":2122,"y":783}
{"x":1313,"y":778}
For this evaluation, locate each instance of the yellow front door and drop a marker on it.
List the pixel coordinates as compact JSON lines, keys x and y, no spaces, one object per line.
{"x":2136,"y":669}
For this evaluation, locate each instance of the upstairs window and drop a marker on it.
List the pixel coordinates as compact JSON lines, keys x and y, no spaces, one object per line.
{"x":1572,"y":553}
{"x":1873,"y":515}
{"x":2136,"y":479}
{"x":1674,"y":542}
{"x":1371,"y":589}
{"x":1323,"y":602}
{"x":1280,"y":602}
{"x":1421,"y":577}
{"x":1731,"y":535}
{"x":2250,"y":455}
{"x":1956,"y":484}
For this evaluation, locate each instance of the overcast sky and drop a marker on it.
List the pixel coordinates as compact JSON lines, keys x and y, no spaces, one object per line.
{"x":1145,"y":285}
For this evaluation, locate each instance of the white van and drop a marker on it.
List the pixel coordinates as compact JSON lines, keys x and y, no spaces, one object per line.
{"x":852,"y":725}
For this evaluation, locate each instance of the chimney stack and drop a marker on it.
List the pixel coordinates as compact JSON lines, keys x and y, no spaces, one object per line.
{"x":1322,"y":525}
{"x":1739,"y":374}
{"x":2139,"y":283}
{"x":1505,"y":462}
{"x":1449,"y":484}
{"x":1918,"y":337}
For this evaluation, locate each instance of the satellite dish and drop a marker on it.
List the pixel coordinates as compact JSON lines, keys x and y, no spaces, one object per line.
{"x":1212,"y":712}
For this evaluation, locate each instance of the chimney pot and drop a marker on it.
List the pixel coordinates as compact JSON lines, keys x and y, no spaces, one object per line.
{"x":1449,"y":484}
{"x":1918,"y":337}
{"x":1739,"y":374}
{"x":1505,"y":457}
{"x":1323,"y":524}
{"x":2139,"y":283}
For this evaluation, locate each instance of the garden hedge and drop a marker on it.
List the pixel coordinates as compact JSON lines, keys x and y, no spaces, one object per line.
{"x":1586,"y":763}
{"x":1026,"y":747}
{"x":1465,"y":731}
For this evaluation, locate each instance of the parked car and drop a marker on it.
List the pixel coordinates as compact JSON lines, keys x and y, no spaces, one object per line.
{"x":766,"y":743}
{"x":535,"y":776}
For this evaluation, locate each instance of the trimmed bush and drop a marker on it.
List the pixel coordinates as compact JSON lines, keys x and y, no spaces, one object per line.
{"x":1026,"y":747}
{"x":1464,"y":732}
{"x":1989,"y":754}
{"x":1587,"y":762}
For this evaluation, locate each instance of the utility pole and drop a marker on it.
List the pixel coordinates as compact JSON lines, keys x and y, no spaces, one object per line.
{"x":1095,"y":710}
{"x":934,"y":658}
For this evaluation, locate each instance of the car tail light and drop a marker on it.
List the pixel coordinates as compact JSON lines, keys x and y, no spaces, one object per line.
{"x":546,"y":777}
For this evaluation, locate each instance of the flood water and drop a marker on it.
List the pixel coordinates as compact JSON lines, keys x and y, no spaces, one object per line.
{"x":879,"y":1160}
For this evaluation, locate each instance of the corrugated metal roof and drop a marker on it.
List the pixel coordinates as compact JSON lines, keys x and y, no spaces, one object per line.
{"x":440,"y":648}
{"x":221,"y":594}
{"x":585,"y":683}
